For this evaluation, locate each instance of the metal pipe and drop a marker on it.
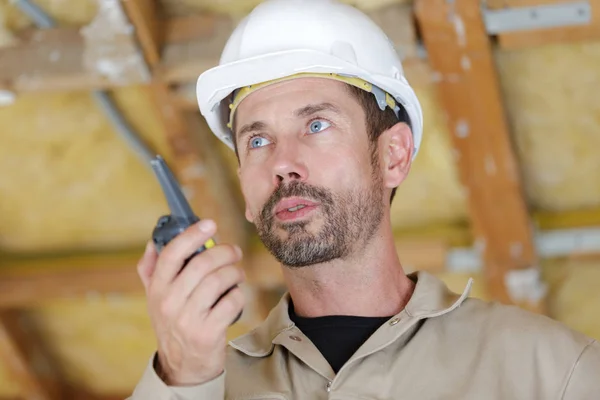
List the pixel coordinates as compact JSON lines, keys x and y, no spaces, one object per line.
{"x":102,"y":97}
{"x":37,"y":15}
{"x":122,"y":127}
{"x":549,"y":244}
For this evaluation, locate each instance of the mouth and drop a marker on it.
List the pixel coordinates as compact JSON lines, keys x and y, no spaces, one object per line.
{"x":294,"y":208}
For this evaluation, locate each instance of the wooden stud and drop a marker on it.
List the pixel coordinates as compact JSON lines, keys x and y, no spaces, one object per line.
{"x":34,"y":280}
{"x":17,"y":347}
{"x":53,"y":59}
{"x":190,"y":28}
{"x":177,"y":49}
{"x":459,"y":51}
{"x":197,"y":175}
{"x":30,"y":281}
{"x":586,"y":218}
{"x":145,"y":16}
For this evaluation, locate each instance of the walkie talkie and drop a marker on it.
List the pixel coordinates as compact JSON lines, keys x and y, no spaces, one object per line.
{"x":181,"y":217}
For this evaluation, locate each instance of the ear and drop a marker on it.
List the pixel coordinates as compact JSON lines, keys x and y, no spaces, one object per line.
{"x":396,"y":149}
{"x":249,"y":215}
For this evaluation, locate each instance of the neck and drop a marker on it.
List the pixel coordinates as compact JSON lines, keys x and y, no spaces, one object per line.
{"x":370,"y":282}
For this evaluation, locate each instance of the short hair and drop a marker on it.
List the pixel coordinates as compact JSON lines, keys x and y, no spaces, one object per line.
{"x":377,"y":120}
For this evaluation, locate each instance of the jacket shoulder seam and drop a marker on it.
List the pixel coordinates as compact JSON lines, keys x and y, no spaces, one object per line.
{"x":573,"y":367}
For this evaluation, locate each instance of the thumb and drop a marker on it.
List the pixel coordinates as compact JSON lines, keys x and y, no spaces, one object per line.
{"x":147,"y":264}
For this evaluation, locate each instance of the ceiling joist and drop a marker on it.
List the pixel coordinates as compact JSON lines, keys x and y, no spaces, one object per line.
{"x":197,"y":174}
{"x":460,"y":52}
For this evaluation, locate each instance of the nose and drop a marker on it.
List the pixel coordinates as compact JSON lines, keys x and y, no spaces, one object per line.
{"x":288,"y":164}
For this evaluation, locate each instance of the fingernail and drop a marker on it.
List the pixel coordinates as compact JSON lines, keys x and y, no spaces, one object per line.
{"x":206,"y":225}
{"x":149,"y":245}
{"x":238,"y":250}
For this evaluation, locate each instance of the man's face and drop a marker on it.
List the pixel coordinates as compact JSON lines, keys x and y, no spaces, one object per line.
{"x":311,"y":184}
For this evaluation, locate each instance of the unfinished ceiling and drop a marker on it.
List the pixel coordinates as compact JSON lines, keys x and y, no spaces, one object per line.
{"x":550,"y":93}
{"x":71,"y":184}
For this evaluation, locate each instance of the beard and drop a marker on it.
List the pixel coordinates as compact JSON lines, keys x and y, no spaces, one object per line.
{"x":349,"y":220}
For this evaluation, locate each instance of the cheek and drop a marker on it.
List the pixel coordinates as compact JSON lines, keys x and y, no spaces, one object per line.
{"x":256,"y":188}
{"x":344,"y":166}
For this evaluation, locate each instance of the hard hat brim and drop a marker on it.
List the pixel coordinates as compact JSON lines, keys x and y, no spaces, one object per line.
{"x":216,"y":84}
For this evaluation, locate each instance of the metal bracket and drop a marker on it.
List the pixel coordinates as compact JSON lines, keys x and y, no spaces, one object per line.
{"x":572,"y":13}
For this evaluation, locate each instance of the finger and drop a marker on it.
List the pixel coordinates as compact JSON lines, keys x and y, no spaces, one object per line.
{"x":147,"y":264}
{"x":203,"y":264}
{"x":226,"y":310}
{"x":174,"y":254}
{"x":208,"y":291}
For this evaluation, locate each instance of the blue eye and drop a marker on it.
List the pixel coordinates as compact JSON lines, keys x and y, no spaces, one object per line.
{"x":258,"y":141}
{"x":318,"y":125}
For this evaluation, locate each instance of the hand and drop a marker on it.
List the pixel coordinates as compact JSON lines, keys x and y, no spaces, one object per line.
{"x":191,"y":333}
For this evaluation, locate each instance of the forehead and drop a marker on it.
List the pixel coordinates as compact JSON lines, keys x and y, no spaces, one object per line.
{"x":295,"y":93}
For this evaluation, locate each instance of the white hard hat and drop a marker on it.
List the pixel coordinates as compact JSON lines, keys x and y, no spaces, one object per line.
{"x":284,"y":39}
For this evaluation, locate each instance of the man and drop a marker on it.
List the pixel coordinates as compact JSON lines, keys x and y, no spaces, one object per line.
{"x":311,"y":97}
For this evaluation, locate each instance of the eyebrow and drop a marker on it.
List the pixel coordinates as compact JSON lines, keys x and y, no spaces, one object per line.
{"x":246,"y":129}
{"x":303,"y":112}
{"x":315,"y":108}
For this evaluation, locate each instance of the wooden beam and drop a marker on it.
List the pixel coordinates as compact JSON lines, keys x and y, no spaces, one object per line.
{"x":540,"y":37}
{"x":190,"y":28}
{"x":459,"y":51}
{"x":145,"y":17}
{"x":177,"y":49}
{"x":197,"y":168}
{"x":27,"y":281}
{"x":55,"y":59}
{"x":585,"y":218}
{"x":35,"y":279}
{"x":18,"y":349}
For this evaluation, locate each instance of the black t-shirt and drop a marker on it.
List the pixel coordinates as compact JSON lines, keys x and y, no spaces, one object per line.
{"x":337,"y":336}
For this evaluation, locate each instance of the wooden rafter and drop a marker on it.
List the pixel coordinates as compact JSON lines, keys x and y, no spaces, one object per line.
{"x":16,"y":348}
{"x":34,"y":280}
{"x":459,"y":51}
{"x":30,"y":365}
{"x":29,"y":281}
{"x":53,"y":59}
{"x":197,"y":176}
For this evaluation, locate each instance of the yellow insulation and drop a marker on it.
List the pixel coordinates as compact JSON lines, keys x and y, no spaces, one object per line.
{"x":432,"y":193}
{"x":64,"y":12}
{"x":242,"y":7}
{"x":69,"y":180}
{"x":551,"y":96}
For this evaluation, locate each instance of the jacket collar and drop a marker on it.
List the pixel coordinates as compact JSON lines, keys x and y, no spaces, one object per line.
{"x":431,"y":298}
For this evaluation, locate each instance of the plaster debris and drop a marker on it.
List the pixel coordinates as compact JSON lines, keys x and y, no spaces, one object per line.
{"x":6,"y":36}
{"x":525,"y":285}
{"x":7,"y":98}
{"x":54,"y":55}
{"x":516,"y":250}
{"x":462,"y":128}
{"x":111,"y":48}
{"x":459,"y":26}
{"x":490,"y":165}
{"x":465,"y":62}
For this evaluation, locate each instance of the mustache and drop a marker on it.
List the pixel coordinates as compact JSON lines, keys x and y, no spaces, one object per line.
{"x":296,"y":189}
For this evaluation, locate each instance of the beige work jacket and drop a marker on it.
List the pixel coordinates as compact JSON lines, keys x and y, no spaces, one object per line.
{"x":441,"y":346}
